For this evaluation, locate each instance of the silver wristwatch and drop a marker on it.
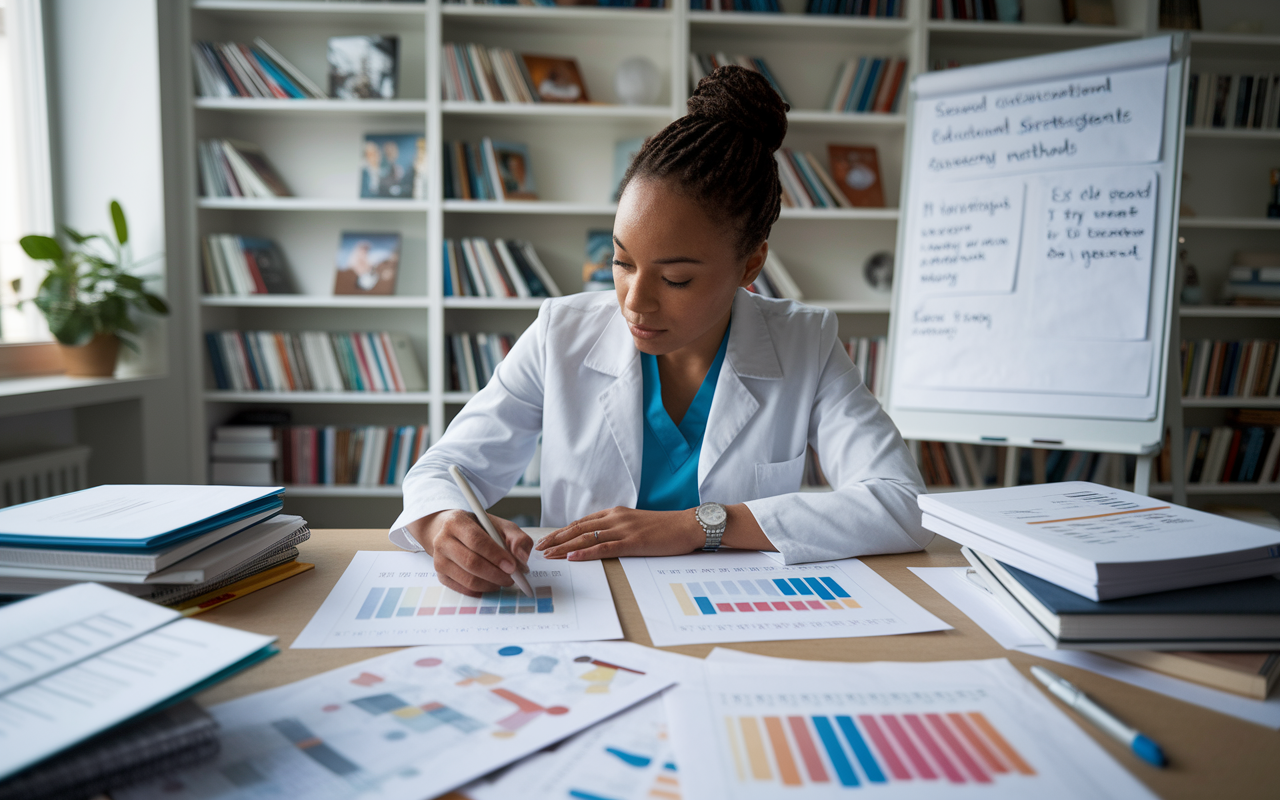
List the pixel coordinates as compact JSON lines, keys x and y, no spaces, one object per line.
{"x":712,"y":517}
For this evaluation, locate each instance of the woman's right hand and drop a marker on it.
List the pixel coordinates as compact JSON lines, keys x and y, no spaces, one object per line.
{"x":466,"y":559}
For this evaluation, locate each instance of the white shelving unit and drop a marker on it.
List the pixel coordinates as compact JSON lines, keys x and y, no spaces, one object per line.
{"x":315,"y":144}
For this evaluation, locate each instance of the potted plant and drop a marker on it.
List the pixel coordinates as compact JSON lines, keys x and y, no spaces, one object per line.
{"x":89,"y":294}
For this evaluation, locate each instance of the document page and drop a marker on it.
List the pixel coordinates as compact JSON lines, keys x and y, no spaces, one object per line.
{"x":45,"y":716}
{"x":389,"y":598}
{"x":414,"y":723}
{"x":749,"y":597}
{"x":755,"y":728}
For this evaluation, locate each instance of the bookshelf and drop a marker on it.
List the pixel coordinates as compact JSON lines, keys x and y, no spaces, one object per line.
{"x":315,"y":145}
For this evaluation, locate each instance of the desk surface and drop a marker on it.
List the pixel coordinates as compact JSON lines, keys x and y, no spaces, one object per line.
{"x":1212,"y":755}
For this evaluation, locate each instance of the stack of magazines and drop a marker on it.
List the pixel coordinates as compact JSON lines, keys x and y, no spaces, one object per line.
{"x":478,"y":267}
{"x":229,"y":69}
{"x":314,"y":361}
{"x":231,"y":168}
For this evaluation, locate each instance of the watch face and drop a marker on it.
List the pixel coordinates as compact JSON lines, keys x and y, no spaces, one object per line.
{"x":712,"y":514}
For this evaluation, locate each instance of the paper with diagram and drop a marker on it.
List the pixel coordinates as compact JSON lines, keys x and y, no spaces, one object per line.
{"x":749,"y":597}
{"x":413,"y":723}
{"x":390,"y":598}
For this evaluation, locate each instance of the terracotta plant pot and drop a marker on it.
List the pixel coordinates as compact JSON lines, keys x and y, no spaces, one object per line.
{"x":97,"y":359}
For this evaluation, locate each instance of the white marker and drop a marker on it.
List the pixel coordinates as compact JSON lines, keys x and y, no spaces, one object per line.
{"x":1142,"y":747}
{"x":474,"y":501}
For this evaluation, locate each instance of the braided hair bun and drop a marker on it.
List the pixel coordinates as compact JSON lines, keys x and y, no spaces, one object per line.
{"x":721,"y":153}
{"x":743,"y":98}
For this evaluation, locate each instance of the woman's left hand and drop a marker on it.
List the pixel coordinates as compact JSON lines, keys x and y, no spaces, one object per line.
{"x":622,"y":531}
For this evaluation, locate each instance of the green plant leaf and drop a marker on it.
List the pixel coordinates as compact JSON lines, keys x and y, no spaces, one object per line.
{"x":76,"y":236}
{"x":75,"y":329}
{"x":117,"y":217}
{"x":157,"y":304}
{"x":41,"y":248}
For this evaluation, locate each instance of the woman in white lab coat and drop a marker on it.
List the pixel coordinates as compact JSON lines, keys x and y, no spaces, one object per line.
{"x":675,"y":415}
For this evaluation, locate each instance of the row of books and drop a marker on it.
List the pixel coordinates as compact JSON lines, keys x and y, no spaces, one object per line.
{"x":487,"y":170}
{"x":1230,"y":369}
{"x":1231,"y":454}
{"x":229,"y":69}
{"x":230,"y":168}
{"x":978,"y":10}
{"x":774,"y":280}
{"x":479,"y":267}
{"x":340,"y":455}
{"x":243,"y":265}
{"x":553,"y":3}
{"x":856,"y":8}
{"x":868,"y":85}
{"x":703,"y":64}
{"x":477,"y":73}
{"x":868,"y":354}
{"x":759,"y":6}
{"x":314,"y":361}
{"x":472,"y":358}
{"x":1233,"y":101}
{"x":806,"y":183}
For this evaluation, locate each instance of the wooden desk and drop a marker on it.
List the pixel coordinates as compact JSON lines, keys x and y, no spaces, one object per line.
{"x":1212,"y":755}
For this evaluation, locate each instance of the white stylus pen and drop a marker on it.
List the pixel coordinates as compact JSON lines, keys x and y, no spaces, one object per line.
{"x":1142,"y":747}
{"x":474,"y":501}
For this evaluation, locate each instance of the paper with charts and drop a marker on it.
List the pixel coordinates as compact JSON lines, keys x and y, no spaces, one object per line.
{"x":749,"y":597}
{"x":759,"y":731}
{"x":414,"y":723}
{"x":388,"y":598}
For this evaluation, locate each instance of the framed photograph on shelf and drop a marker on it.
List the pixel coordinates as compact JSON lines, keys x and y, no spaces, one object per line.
{"x":510,"y":161}
{"x":367,"y":264}
{"x":394,"y":165}
{"x":557,"y":80}
{"x":363,"y":67}
{"x":857,"y":174}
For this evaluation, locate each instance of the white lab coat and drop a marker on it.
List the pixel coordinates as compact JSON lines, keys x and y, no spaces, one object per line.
{"x":787,"y":382}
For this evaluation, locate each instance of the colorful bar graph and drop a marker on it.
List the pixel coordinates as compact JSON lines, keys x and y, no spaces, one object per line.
{"x":704,"y":598}
{"x":425,"y":601}
{"x":869,"y":748}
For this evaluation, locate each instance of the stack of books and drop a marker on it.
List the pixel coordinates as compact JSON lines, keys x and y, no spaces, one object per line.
{"x":244,"y":455}
{"x":472,"y":358}
{"x":703,"y":64}
{"x":773,"y":281}
{"x":342,"y":455}
{"x":1230,"y":369}
{"x":314,"y":361}
{"x":1253,"y":286}
{"x":856,"y":8}
{"x":488,"y":170}
{"x":228,"y":69}
{"x":1091,"y":567}
{"x":1233,"y":101}
{"x":478,"y":267}
{"x":243,"y":265}
{"x":868,"y":85}
{"x":167,"y":544}
{"x":806,"y":183}
{"x":90,"y":668}
{"x":869,"y":353}
{"x":230,"y":168}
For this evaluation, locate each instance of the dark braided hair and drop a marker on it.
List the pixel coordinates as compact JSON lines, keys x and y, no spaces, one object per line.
{"x":721,"y":153}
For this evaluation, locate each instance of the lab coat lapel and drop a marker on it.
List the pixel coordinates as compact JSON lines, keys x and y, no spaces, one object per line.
{"x":750,"y":355}
{"x":614,"y":353}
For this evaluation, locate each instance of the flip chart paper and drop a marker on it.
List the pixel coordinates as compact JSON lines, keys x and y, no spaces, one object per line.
{"x":749,"y":597}
{"x":968,"y":238}
{"x":387,"y":598}
{"x":758,"y":728}
{"x":981,"y":607}
{"x":1094,"y":237}
{"x":414,"y":723}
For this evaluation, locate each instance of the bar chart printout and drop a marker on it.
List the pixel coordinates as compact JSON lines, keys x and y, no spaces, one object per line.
{"x":745,"y":597}
{"x":394,"y":598}
{"x":965,"y":729}
{"x":414,"y":723}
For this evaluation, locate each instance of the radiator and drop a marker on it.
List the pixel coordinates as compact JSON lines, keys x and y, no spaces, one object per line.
{"x":43,"y":475}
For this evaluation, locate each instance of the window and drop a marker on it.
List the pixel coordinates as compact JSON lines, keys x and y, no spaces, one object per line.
{"x":25,"y":185}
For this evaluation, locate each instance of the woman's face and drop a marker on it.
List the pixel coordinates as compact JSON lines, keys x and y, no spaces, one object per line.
{"x":676,"y":269}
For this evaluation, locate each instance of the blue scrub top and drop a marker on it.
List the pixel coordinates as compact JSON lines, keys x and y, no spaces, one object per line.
{"x":669,"y":467}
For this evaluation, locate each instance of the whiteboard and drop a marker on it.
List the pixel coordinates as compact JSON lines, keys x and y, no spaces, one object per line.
{"x":1036,"y":250}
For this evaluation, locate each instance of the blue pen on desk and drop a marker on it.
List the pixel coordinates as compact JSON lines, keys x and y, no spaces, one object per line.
{"x":1142,"y":747}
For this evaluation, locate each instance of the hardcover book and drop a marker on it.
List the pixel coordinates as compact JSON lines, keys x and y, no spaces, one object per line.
{"x":394,"y":165}
{"x":363,"y":67}
{"x":557,"y":80}
{"x":367,"y":263}
{"x":857,"y":173}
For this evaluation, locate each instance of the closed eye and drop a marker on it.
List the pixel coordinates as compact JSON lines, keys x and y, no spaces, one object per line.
{"x":675,"y":285}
